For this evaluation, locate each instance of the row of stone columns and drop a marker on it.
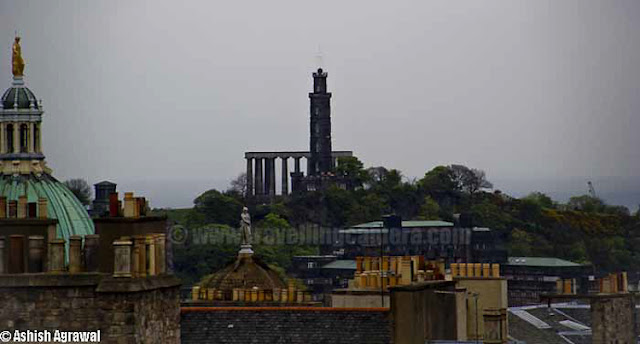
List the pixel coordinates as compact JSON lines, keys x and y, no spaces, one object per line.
{"x":32,"y":137}
{"x":261,"y":175}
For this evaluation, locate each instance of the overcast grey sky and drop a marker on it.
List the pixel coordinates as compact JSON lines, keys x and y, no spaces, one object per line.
{"x":152,"y":94}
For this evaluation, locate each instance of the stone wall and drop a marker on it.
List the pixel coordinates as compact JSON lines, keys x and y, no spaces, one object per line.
{"x":612,"y":319}
{"x":287,"y":325}
{"x":144,"y":310}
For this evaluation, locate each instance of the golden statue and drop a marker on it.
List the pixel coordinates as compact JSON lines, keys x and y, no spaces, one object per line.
{"x":16,"y":58}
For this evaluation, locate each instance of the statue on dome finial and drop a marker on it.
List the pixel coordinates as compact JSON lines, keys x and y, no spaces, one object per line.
{"x":245,"y":227}
{"x":16,"y":58}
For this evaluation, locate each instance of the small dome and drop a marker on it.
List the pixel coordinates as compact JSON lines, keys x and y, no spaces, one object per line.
{"x":19,"y":95}
{"x":245,"y":272}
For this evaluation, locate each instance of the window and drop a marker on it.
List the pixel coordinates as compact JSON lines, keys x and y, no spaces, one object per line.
{"x":311,"y":265}
{"x":24,"y":138}
{"x":9,"y":138}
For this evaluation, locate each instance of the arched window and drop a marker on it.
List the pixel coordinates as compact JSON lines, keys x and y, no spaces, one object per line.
{"x":24,"y":138}
{"x":36,"y":137}
{"x":9,"y":136}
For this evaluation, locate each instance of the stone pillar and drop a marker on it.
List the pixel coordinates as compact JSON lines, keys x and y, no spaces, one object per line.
{"x":42,"y":208}
{"x":141,"y":250}
{"x":75,"y":254}
{"x":150,"y":246}
{"x":30,"y":138}
{"x":161,"y":263}
{"x":16,"y":137}
{"x":56,"y":256}
{"x":135,"y":257}
{"x":91,"y":247}
{"x":285,"y":176}
{"x":297,"y":165}
{"x":272,"y":177}
{"x":2,"y":263}
{"x":122,"y":258}
{"x":22,"y":207}
{"x":249,"y":176}
{"x":258,"y":178}
{"x":36,"y":253}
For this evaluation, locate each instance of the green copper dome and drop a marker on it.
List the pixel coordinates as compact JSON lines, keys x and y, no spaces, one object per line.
{"x":73,"y":218}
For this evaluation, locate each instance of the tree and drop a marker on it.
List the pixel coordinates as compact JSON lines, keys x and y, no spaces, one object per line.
{"x":540,"y":199}
{"x":80,"y":189}
{"x":430,"y":210}
{"x":353,"y":169}
{"x":239,"y":185}
{"x":440,"y":185}
{"x":218,"y":208}
{"x":469,"y":180}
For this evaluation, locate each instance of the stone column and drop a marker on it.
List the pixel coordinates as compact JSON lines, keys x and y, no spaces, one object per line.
{"x":36,"y":253}
{"x":141,"y":249}
{"x":56,"y":256}
{"x":297,"y":165}
{"x":285,"y":175}
{"x":272,"y":177}
{"x":91,"y":247}
{"x":30,"y":138}
{"x":150,"y":246}
{"x":249,"y":177}
{"x":16,"y":137}
{"x":122,"y":258}
{"x":258,"y":178}
{"x":161,"y":266}
{"x":75,"y":254}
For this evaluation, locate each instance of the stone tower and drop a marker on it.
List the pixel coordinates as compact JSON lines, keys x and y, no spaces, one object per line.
{"x":320,"y":161}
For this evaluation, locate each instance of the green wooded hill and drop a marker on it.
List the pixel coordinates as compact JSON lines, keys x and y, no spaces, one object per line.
{"x":584,"y":230}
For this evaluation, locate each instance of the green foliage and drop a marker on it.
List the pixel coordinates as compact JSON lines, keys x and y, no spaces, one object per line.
{"x":352,"y":168}
{"x":430,"y":210}
{"x":585,"y":229}
{"x":217,"y":207}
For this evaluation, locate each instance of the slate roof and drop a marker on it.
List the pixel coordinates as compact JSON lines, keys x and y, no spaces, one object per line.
{"x":540,"y":261}
{"x":341,"y":265}
{"x":285,"y":325}
{"x":407,"y":224}
{"x":542,"y":325}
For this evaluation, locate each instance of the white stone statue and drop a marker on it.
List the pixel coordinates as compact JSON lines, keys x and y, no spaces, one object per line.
{"x":245,"y":226}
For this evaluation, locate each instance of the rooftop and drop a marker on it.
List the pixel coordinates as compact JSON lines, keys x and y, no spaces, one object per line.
{"x":407,"y":224}
{"x":341,"y":264}
{"x":541,"y":261}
